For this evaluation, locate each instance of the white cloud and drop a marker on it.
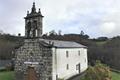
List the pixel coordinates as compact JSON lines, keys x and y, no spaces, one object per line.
{"x":108,"y":27}
{"x":112,"y":24}
{"x":92,"y":16}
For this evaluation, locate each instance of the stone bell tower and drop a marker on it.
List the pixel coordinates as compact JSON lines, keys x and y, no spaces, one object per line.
{"x":33,"y":59}
{"x":33,"y":23}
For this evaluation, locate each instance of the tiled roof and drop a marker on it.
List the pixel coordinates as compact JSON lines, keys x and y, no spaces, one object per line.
{"x":57,"y":43}
{"x":64,"y":44}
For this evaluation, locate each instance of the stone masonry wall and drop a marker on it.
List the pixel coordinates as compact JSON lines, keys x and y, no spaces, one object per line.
{"x":33,"y":51}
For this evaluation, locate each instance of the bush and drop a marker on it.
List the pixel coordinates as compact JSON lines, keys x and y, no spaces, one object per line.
{"x":2,"y":69}
{"x":9,"y":67}
{"x":98,"y":72}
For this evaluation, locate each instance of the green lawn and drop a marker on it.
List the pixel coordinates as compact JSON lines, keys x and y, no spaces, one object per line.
{"x":115,"y":76}
{"x":7,"y":75}
{"x":10,"y":76}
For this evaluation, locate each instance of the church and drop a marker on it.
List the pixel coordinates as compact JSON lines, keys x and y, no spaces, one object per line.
{"x":42,"y":59}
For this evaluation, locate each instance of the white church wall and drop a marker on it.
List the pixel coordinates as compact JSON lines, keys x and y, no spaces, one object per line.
{"x":84,"y":60}
{"x":64,"y":66}
{"x":54,"y":66}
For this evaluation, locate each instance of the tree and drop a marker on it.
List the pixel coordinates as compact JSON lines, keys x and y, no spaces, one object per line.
{"x":98,"y":72}
{"x":81,"y":33}
{"x":102,"y":38}
{"x":59,"y":32}
{"x":52,"y":33}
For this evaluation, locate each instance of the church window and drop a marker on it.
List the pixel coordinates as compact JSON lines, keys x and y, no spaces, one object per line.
{"x":67,"y":66}
{"x":79,"y":53}
{"x":67,"y":54}
{"x":28,"y":29}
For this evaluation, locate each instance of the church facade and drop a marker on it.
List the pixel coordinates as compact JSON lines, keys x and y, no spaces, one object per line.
{"x":41,"y":59}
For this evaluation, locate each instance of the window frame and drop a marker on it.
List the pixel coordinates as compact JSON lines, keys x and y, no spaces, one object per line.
{"x":67,"y":54}
{"x":67,"y":67}
{"x":79,"y":53}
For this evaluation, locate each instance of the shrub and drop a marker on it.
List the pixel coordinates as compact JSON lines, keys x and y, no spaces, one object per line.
{"x":98,"y":72}
{"x":2,"y":69}
{"x":8,"y":67}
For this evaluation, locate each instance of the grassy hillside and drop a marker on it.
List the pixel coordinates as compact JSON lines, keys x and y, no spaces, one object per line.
{"x":7,"y":45}
{"x":106,"y":50}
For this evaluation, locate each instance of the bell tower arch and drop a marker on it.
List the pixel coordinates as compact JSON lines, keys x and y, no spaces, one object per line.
{"x":33,"y":23}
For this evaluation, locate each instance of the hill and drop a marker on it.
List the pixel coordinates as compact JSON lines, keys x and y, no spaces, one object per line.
{"x":7,"y":44}
{"x":104,"y":49}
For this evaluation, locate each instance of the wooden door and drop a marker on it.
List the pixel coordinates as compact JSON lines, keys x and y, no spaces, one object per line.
{"x":31,"y":74}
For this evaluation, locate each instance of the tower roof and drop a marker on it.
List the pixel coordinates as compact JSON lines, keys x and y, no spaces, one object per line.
{"x":33,"y":8}
{"x":33,"y":12}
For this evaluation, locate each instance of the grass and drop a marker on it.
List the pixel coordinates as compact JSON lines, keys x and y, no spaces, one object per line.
{"x":10,"y":76}
{"x":100,"y":43}
{"x":7,"y":75}
{"x":115,"y":76}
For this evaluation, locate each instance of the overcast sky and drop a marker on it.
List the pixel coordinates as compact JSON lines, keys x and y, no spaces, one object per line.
{"x":95,"y":17}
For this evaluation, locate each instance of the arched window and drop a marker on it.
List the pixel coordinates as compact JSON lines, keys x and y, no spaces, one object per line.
{"x":35,"y":28}
{"x":29,"y":25}
{"x":28,"y":29}
{"x":35,"y":24}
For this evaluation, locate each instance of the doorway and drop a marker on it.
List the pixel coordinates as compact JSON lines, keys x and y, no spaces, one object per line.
{"x":31,"y":74}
